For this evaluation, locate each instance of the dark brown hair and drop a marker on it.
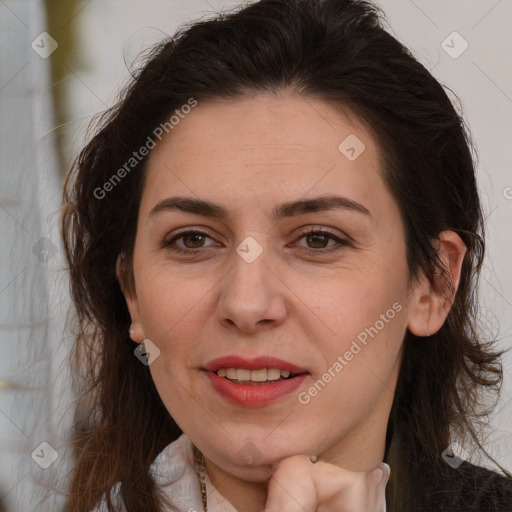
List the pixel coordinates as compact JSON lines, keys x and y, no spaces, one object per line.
{"x":338,"y":51}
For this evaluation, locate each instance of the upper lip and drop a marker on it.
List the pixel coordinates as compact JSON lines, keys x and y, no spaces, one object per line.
{"x":256,"y":363}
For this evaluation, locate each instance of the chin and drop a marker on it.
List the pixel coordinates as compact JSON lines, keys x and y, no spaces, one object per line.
{"x":259,"y":473}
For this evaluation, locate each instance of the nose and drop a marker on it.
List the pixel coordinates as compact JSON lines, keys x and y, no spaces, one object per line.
{"x":252,"y":297}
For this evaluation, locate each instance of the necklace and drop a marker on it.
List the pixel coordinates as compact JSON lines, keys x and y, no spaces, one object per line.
{"x":200,"y":469}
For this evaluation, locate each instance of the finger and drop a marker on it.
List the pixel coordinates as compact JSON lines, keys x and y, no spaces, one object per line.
{"x":299,"y":486}
{"x":341,"y":490}
{"x":291,"y":487}
{"x":381,"y":489}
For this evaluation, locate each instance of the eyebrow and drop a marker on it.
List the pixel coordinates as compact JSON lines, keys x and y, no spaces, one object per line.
{"x":290,"y":209}
{"x":285,"y":210}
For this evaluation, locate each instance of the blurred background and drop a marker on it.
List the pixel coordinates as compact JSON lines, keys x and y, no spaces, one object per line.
{"x":61,"y":62}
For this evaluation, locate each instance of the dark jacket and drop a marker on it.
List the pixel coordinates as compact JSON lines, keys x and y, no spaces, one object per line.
{"x":468,"y":488}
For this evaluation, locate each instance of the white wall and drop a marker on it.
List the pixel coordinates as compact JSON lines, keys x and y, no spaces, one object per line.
{"x":34,"y":398}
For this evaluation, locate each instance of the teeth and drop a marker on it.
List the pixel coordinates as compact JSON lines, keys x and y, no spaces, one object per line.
{"x":257,"y":375}
{"x":274,"y":374}
{"x":231,"y":373}
{"x":263,"y":375}
{"x":243,"y":374}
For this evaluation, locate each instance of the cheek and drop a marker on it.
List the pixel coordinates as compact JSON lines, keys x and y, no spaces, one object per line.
{"x":359,"y":370}
{"x":346,"y":306}
{"x":172,"y":305}
{"x":363,"y":324}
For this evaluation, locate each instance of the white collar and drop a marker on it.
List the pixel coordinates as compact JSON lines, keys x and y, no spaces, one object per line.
{"x":175,"y":476}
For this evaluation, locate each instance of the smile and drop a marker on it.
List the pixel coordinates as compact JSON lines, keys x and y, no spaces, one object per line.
{"x":244,"y":376}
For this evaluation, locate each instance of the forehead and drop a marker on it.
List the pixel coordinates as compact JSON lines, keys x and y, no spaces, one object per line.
{"x":262,"y":148}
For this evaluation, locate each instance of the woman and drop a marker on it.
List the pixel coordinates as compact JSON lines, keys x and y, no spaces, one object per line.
{"x":274,"y":240}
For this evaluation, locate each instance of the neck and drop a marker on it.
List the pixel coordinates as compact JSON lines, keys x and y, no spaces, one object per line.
{"x":243,"y":495}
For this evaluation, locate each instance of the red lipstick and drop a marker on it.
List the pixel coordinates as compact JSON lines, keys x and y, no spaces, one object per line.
{"x":255,"y":363}
{"x":254,"y":394}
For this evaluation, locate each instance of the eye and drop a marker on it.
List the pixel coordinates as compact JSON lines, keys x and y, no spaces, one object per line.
{"x":318,"y":240}
{"x":190,"y":240}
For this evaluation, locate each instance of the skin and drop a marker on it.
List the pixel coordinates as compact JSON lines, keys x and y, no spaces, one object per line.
{"x":249,"y":155}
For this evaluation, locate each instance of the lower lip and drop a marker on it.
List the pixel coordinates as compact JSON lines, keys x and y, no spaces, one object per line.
{"x":254,"y":395}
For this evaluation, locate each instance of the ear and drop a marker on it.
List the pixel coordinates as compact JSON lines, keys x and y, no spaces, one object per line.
{"x":429,"y":307}
{"x":130,"y":296}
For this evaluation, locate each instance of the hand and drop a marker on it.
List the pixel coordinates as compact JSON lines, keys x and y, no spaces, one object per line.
{"x":298,"y":485}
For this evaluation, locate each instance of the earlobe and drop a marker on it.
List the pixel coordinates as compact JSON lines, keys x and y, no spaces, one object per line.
{"x":136,"y":330}
{"x":430,"y":304}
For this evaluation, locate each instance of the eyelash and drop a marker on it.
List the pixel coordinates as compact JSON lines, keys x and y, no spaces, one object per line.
{"x":340,"y":242}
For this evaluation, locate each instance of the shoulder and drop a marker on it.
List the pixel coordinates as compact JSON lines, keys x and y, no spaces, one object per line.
{"x":468,"y":488}
{"x":488,"y":490}
{"x":174,"y":460}
{"x":174,"y":475}
{"x":115,"y":497}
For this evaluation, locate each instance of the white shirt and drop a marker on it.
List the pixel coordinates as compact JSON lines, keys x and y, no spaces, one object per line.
{"x":174,"y":474}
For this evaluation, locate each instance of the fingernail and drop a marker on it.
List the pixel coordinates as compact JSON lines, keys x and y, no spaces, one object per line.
{"x":387,"y":472}
{"x":381,"y":473}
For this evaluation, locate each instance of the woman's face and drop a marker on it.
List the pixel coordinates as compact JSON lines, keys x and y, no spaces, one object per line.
{"x":301,"y":257}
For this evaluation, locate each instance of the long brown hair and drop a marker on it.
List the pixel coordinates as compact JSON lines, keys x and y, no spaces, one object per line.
{"x":336,"y":50}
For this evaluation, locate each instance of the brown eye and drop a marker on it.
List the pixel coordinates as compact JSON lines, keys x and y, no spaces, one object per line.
{"x":188,"y":242}
{"x":318,"y":240}
{"x":193,"y":240}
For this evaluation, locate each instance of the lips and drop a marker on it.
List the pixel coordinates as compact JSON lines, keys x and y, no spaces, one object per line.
{"x":254,"y":394}
{"x":257,"y":363}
